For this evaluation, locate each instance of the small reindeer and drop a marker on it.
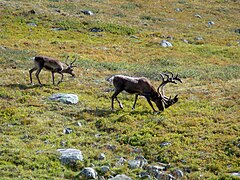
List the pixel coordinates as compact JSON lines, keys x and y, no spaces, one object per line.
{"x":53,"y":65}
{"x":142,"y":86}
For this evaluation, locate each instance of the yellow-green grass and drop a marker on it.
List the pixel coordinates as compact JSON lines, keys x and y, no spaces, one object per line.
{"x":203,"y":127}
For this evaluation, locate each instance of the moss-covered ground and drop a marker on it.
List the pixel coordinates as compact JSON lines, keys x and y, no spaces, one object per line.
{"x":203,"y":128}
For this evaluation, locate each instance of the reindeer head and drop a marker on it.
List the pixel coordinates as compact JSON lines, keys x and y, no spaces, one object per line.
{"x":168,"y":101}
{"x":69,"y":68}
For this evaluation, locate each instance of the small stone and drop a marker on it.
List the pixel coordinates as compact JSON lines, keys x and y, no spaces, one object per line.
{"x":142,"y":160}
{"x":69,"y":156}
{"x":65,"y":98}
{"x":104,"y":169}
{"x":67,"y":131}
{"x":101,"y":156}
{"x":198,"y":16}
{"x":166,"y":43}
{"x":32,"y":24}
{"x":134,"y":164}
{"x":89,"y":173}
{"x":177,"y":173}
{"x":211,"y":23}
{"x":236,"y":174}
{"x":120,"y":177}
{"x":237,"y":31}
{"x":178,"y":10}
{"x":87,"y":12}
{"x":163,"y":144}
{"x":121,"y":161}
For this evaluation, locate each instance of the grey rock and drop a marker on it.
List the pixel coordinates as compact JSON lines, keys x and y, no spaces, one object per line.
{"x":134,"y":164}
{"x":142,"y":160}
{"x":89,"y":173}
{"x":32,"y":24}
{"x":59,"y":29}
{"x":96,"y":30}
{"x":236,"y":174}
{"x":178,"y":10}
{"x":101,"y":156}
{"x":120,"y":177}
{"x":198,"y":38}
{"x":67,"y":131}
{"x":69,"y":156}
{"x":144,"y":175}
{"x":104,"y":169}
{"x":163,"y":144}
{"x":177,"y":173}
{"x":166,"y":43}
{"x":163,"y":175}
{"x":87,"y":12}
{"x":210,"y":23}
{"x":120,"y":162}
{"x":198,"y":16}
{"x":65,"y":98}
{"x":237,"y":31}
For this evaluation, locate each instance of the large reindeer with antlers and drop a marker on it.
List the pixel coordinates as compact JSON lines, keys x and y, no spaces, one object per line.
{"x":142,"y":86}
{"x":53,"y":65}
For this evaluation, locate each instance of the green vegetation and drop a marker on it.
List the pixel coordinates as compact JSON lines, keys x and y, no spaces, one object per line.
{"x":203,"y":128}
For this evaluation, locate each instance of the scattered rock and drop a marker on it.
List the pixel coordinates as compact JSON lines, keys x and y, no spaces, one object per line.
{"x":198,"y":16}
{"x":142,"y":160}
{"x":59,"y":29}
{"x":67,"y":131}
{"x":87,"y":12}
{"x":65,"y":98}
{"x":104,"y":169}
{"x":110,"y":147}
{"x":210,"y":23}
{"x":134,"y":164}
{"x":79,"y":124}
{"x":185,"y":40}
{"x":237,"y":31}
{"x":2,"y":48}
{"x":120,"y":177}
{"x":69,"y":156}
{"x":236,"y":174}
{"x":144,"y":175}
{"x":121,"y":161}
{"x":163,"y":144}
{"x":101,"y":156}
{"x":198,"y":38}
{"x":96,"y":30}
{"x":178,"y":10}
{"x":177,"y":173}
{"x":166,"y":43}
{"x":32,"y":24}
{"x":89,"y":173}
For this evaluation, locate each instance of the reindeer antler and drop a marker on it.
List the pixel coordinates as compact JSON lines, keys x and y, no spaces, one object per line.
{"x":66,"y":60}
{"x":71,"y":64}
{"x":168,"y":101}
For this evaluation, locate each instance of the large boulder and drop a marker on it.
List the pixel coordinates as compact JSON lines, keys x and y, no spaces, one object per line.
{"x":69,"y":156}
{"x":65,"y":98}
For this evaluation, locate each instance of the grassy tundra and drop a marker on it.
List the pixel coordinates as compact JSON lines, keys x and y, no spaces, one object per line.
{"x":203,"y":127}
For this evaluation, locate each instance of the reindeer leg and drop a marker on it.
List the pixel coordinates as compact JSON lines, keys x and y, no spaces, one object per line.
{"x":30,"y":73}
{"x":135,"y":101}
{"x":37,"y":75}
{"x":150,"y":103}
{"x":61,"y":78}
{"x":114,"y":96}
{"x":53,"y":77}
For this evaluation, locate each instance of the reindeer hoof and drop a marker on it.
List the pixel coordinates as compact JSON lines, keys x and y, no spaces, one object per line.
{"x":121,"y":106}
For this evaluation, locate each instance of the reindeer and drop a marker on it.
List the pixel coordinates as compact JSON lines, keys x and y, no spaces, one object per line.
{"x":53,"y":65}
{"x":143,"y":87}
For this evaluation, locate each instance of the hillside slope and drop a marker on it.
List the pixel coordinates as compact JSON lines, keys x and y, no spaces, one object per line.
{"x":200,"y":134}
